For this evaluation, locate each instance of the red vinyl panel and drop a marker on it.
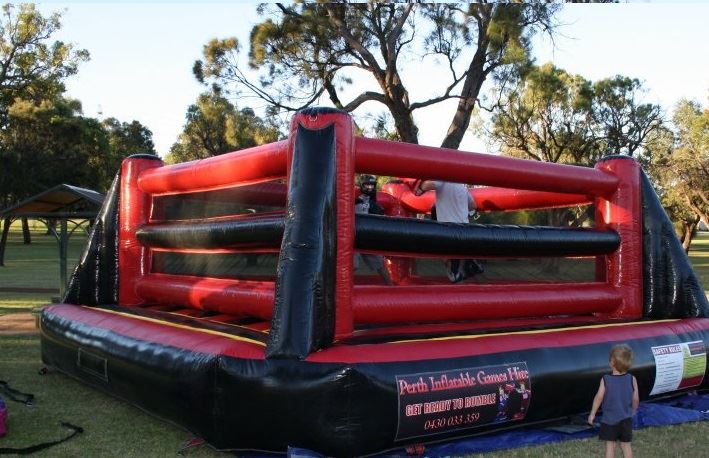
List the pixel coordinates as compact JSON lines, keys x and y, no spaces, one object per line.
{"x":482,"y":326}
{"x":270,"y":194}
{"x":381,"y":304}
{"x":252,"y":165}
{"x":622,"y":212}
{"x":415,"y":350}
{"x":382,"y":157}
{"x":234,"y":297}
{"x":391,"y":304}
{"x":462,"y":346}
{"x":134,"y":211}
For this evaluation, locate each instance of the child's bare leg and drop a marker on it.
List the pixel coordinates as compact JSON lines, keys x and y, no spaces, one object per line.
{"x":610,"y":449}
{"x":627,"y":449}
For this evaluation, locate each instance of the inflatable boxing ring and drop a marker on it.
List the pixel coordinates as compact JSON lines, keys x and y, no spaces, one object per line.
{"x":220,"y":294}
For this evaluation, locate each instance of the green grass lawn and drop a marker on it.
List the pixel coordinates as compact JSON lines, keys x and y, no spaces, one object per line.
{"x":115,"y":428}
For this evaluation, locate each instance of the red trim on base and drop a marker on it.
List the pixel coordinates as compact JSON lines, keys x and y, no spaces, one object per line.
{"x":458,"y":347}
{"x":415,"y":350}
{"x":160,"y":332}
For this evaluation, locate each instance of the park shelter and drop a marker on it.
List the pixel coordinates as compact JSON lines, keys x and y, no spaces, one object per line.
{"x":57,"y":206}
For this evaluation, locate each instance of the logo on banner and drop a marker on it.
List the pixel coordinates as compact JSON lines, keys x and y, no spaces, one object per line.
{"x":436,"y":402}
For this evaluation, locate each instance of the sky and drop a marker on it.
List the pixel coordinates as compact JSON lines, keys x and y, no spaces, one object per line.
{"x":142,"y":56}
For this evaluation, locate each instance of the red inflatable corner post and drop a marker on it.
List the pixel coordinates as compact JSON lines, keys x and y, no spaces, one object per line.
{"x":134,"y":211}
{"x":622,"y":212}
{"x":344,"y":176}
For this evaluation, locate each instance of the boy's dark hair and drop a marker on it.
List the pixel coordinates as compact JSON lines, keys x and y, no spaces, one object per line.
{"x":621,"y":356}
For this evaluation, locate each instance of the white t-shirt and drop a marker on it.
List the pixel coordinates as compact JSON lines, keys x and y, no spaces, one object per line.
{"x":451,"y":202}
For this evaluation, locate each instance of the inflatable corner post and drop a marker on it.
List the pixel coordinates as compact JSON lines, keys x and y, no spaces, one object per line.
{"x":223,"y":294}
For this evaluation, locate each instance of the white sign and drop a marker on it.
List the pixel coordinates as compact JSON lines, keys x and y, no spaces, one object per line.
{"x":678,"y":366}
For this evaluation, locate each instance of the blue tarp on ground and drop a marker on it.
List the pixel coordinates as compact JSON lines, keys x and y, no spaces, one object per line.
{"x":688,"y":408}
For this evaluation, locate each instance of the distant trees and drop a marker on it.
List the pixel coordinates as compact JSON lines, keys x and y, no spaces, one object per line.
{"x":308,"y":50}
{"x":32,"y":67}
{"x":553,"y":116}
{"x":680,"y":167}
{"x":44,"y":138}
{"x":50,"y":142}
{"x":215,"y":126}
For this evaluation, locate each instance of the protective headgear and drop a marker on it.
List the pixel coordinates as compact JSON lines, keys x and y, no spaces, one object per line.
{"x":368,"y":185}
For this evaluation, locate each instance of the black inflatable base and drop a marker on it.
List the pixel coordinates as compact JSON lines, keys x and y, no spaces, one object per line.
{"x":359,"y":398}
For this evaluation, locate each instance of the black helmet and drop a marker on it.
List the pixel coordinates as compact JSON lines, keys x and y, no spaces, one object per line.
{"x":368,"y":184}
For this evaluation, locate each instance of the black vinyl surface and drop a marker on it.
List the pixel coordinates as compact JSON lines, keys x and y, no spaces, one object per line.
{"x":304,"y":308}
{"x":340,"y":409}
{"x":95,"y":278}
{"x":670,"y":285}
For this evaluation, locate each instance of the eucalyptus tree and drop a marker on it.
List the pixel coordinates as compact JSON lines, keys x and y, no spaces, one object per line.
{"x":32,"y":65}
{"x":305,"y":52}
{"x":215,"y":126}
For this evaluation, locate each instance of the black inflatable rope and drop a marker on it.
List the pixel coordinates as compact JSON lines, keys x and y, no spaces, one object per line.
{"x":402,"y":235}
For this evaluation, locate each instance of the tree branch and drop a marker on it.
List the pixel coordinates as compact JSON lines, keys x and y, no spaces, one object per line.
{"x":365,"y":97}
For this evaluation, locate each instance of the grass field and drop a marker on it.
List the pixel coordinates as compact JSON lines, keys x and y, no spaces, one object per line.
{"x":115,"y":428}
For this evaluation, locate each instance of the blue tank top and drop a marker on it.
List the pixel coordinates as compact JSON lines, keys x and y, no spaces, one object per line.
{"x":618,"y":400}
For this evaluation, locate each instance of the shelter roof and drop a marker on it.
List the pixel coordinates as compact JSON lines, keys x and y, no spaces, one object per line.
{"x":62,"y":199}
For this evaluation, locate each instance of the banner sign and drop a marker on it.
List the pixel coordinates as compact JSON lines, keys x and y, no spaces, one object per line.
{"x":436,"y":402}
{"x":679,"y":366}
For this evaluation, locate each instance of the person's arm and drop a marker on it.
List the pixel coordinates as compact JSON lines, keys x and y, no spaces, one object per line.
{"x":597,"y":400}
{"x":636,"y":396}
{"x":426,"y":185}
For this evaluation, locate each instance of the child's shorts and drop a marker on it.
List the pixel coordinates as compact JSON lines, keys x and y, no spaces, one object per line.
{"x":622,"y":431}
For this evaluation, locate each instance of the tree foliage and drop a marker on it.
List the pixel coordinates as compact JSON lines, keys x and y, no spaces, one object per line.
{"x":31,"y":66}
{"x":44,"y":138}
{"x":680,"y":167}
{"x":47,"y":144}
{"x":215,"y":126}
{"x":51,"y":142}
{"x":553,"y":116}
{"x":308,"y":51}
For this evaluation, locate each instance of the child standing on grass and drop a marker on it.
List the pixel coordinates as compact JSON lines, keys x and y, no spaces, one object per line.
{"x":618,"y":392}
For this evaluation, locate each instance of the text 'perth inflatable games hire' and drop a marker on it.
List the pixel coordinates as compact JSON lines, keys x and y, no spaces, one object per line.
{"x":220,"y":294}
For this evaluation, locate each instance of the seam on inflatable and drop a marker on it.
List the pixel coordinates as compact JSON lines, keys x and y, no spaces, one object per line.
{"x":181,"y":326}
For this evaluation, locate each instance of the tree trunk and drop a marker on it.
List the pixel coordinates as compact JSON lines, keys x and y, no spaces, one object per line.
{"x":399,"y":108}
{"x":26,"y":237}
{"x":3,"y":239}
{"x":471,"y":88}
{"x":405,"y":127}
{"x":689,"y":226}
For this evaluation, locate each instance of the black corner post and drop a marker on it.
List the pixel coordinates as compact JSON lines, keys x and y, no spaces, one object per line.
{"x":95,"y":279}
{"x":671,"y":288}
{"x":304,"y":309}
